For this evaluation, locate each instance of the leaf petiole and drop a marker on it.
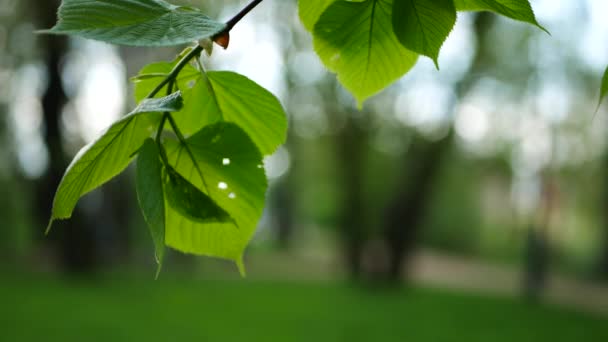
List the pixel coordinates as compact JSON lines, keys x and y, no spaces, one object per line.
{"x":176,"y":70}
{"x":196,"y":51}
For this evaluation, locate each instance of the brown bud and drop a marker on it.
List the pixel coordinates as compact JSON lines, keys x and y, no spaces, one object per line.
{"x":222,"y":40}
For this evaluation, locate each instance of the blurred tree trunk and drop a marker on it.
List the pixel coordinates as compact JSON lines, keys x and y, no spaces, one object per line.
{"x":284,"y":198}
{"x":537,"y":242}
{"x":408,"y":207}
{"x":112,"y":220}
{"x":603,"y":264}
{"x":405,"y":213}
{"x":283,"y":203}
{"x":76,"y":244}
{"x":350,"y":144}
{"x":603,"y":259}
{"x":536,"y":261}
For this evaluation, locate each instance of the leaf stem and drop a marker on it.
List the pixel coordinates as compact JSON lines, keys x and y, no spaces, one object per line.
{"x":239,"y":16}
{"x":161,"y":148}
{"x":196,"y":51}
{"x":161,"y":127}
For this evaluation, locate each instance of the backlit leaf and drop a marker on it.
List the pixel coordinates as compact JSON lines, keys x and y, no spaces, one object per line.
{"x":150,"y":195}
{"x":152,"y":74}
{"x":227,"y":166}
{"x":423,"y":25}
{"x":310,"y":11}
{"x":191,"y":202}
{"x":604,"y":88}
{"x":134,"y":22}
{"x":356,"y":41}
{"x":228,"y":96}
{"x":515,"y":9}
{"x":110,"y":154}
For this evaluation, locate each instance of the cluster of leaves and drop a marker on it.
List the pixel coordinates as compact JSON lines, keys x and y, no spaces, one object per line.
{"x":200,"y":180}
{"x":370,"y":44}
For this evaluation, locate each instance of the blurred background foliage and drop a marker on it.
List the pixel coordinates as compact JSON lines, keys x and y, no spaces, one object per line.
{"x":483,"y":186}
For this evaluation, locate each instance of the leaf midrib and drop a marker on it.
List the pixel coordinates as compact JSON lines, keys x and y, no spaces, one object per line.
{"x":371,"y":35}
{"x":422,"y":28}
{"x":123,"y":26}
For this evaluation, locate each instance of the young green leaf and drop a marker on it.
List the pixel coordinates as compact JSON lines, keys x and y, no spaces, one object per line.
{"x":150,"y":195}
{"x":191,"y":202}
{"x":152,"y":74}
{"x":227,"y":166}
{"x":310,"y":11}
{"x":356,"y":41}
{"x":603,"y":89}
{"x":109,"y":155}
{"x":423,"y":25}
{"x":515,"y":9}
{"x":134,"y":22}
{"x":228,"y":96}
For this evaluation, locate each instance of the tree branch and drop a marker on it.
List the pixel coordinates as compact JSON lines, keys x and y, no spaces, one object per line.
{"x":230,"y":23}
{"x":196,"y":51}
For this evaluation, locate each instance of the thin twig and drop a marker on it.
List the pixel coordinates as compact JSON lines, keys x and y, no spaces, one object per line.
{"x":230,"y":23}
{"x":196,"y":51}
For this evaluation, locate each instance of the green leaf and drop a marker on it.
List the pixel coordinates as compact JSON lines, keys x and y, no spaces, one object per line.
{"x":223,"y":162}
{"x":515,"y":9}
{"x":423,"y":26}
{"x":150,"y":195}
{"x":604,"y":89}
{"x":356,"y":41}
{"x":310,"y":11}
{"x":109,"y":155}
{"x":191,"y":202}
{"x":228,"y":96}
{"x":221,"y":96}
{"x":134,"y":22}
{"x":152,"y":74}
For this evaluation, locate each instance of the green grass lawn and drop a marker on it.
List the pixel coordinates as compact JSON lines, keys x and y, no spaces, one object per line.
{"x":182,"y":309}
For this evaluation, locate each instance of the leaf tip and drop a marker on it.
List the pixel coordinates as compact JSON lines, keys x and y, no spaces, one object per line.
{"x":158,"y":269}
{"x":45,"y":31}
{"x":544,"y":29}
{"x":49,"y":226}
{"x":241,"y":266}
{"x":436,"y":61}
{"x":597,"y":108}
{"x":159,"y":255}
{"x":360,"y":102}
